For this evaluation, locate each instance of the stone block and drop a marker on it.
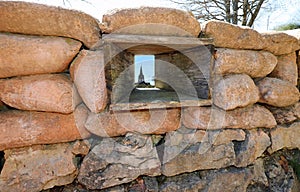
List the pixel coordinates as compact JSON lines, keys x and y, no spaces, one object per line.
{"x":286,"y":68}
{"x":191,"y":150}
{"x":24,"y":128}
{"x":276,"y":92}
{"x":285,"y":137}
{"x":280,"y":43}
{"x":87,"y":72}
{"x":49,"y":92}
{"x":284,"y":115}
{"x":40,"y":167}
{"x":29,"y":55}
{"x":151,"y":21}
{"x":253,"y":147}
{"x":155,"y":121}
{"x":113,"y":162}
{"x":37,"y":19}
{"x":235,"y":91}
{"x":232,"y":36}
{"x":253,"y":63}
{"x":244,"y":118}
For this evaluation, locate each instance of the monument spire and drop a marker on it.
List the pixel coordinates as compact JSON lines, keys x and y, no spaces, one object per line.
{"x":141,"y":76}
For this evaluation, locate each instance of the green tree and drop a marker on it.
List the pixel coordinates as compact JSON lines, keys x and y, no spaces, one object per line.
{"x":243,"y":12}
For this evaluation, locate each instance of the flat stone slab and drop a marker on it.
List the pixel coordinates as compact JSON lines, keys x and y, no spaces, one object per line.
{"x":151,"y":21}
{"x":212,"y":118}
{"x":227,"y":35}
{"x":155,"y":121}
{"x":41,"y":166}
{"x":37,"y":19}
{"x":25,"y":128}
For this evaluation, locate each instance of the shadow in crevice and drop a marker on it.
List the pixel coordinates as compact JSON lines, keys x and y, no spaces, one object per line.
{"x":2,"y":160}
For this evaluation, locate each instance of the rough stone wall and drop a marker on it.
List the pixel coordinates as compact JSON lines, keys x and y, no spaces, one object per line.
{"x":57,"y":128}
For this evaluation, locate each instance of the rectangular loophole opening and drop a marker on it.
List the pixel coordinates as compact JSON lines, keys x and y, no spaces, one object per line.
{"x":158,"y":72}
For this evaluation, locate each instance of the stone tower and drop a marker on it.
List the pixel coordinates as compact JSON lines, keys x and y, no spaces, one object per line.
{"x":141,"y":76}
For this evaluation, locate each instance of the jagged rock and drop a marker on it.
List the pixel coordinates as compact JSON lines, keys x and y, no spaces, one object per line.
{"x":228,"y":94}
{"x":151,"y":184}
{"x":277,"y":92}
{"x":253,"y":63}
{"x":108,"y":124}
{"x":228,"y":180}
{"x":185,"y":182}
{"x":285,"y":137}
{"x":151,"y":21}
{"x":212,"y":118}
{"x":28,"y":93}
{"x":280,"y":43}
{"x":286,"y":68}
{"x":232,"y":36}
{"x":188,"y":152}
{"x":40,"y":167}
{"x":29,"y":55}
{"x":253,"y":147}
{"x":37,"y":19}
{"x":259,"y":174}
{"x":114,"y":162}
{"x":286,"y":114}
{"x":87,"y":72}
{"x":280,"y":174}
{"x":24,"y":128}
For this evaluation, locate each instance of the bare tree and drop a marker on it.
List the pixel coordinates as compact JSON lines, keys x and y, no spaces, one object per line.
{"x":242,"y":12}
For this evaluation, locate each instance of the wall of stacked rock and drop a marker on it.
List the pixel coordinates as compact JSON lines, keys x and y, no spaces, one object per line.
{"x":57,"y":133}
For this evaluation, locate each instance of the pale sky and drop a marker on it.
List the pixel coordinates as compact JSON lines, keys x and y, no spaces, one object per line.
{"x":285,"y":11}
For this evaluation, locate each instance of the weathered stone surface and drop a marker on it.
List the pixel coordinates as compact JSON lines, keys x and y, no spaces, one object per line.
{"x":286,"y":68}
{"x":280,"y":43}
{"x":87,"y":72}
{"x":28,"y":93}
{"x":185,"y":182}
{"x":151,"y":21}
{"x":40,"y":167}
{"x":253,"y":63}
{"x":277,"y":92}
{"x":28,"y":55}
{"x":24,"y":128}
{"x":235,"y":91}
{"x":191,"y":151}
{"x":36,"y":19}
{"x":280,"y":173}
{"x":285,"y":137}
{"x":229,"y":180}
{"x":233,"y":36}
{"x":113,"y":162}
{"x":286,"y":114}
{"x":156,"y":121}
{"x":245,"y":118}
{"x":254,"y":146}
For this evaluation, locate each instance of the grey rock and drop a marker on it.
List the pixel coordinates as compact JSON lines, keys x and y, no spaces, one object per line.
{"x":253,"y":147}
{"x":39,"y":167}
{"x":285,"y":115}
{"x":229,"y":180}
{"x":120,"y":160}
{"x":188,"y":152}
{"x":285,"y":137}
{"x":186,"y":182}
